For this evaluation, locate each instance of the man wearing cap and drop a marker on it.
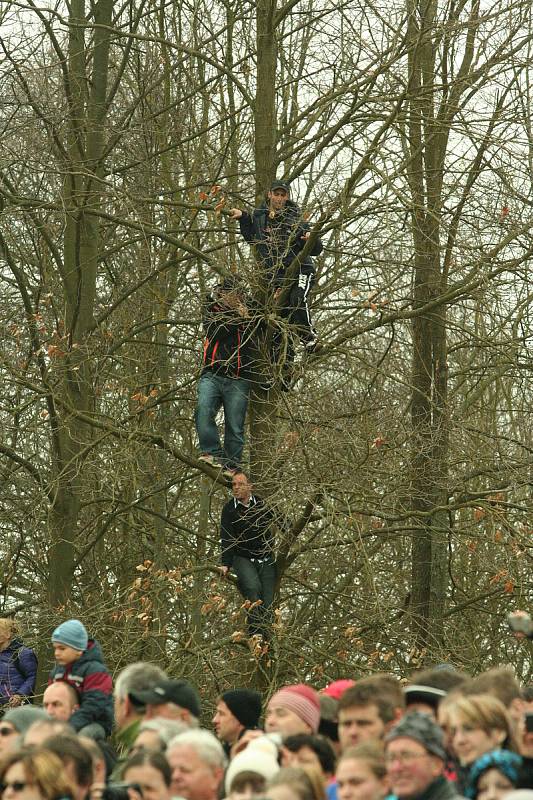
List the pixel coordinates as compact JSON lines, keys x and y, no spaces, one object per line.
{"x":415,"y":758}
{"x":225,"y":379}
{"x":80,"y":663}
{"x":170,"y":699}
{"x":237,"y":711}
{"x":279,"y":233}
{"x":293,"y":709}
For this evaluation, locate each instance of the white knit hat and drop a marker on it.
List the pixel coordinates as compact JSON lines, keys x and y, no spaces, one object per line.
{"x":260,"y":756}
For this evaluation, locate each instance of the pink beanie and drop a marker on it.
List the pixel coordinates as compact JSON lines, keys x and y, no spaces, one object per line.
{"x":337,"y":688}
{"x":302,"y":700}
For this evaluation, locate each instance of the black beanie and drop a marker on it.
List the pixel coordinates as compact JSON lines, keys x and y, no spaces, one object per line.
{"x":245,"y":705}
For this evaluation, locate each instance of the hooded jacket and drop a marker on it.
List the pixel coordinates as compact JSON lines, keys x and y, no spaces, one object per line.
{"x":228,"y":347}
{"x":18,"y":671}
{"x":278,"y":239}
{"x":94,"y":685}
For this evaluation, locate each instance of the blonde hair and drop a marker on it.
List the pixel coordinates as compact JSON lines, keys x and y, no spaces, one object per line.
{"x":8,"y":626}
{"x":306,"y":782}
{"x":43,"y":769}
{"x":486,"y":712}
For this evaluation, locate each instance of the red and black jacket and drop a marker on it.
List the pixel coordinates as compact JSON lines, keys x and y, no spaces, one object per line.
{"x":227,"y":344}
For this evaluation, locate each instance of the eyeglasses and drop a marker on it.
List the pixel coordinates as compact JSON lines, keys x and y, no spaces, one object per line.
{"x":16,"y":786}
{"x":404,"y":758}
{"x":4,"y":731}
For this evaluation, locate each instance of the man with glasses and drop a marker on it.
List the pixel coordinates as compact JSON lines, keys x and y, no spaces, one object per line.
{"x":415,"y":758}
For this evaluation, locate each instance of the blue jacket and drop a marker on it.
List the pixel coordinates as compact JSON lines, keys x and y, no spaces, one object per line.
{"x":18,"y":671}
{"x":94,"y":685}
{"x":278,"y":239}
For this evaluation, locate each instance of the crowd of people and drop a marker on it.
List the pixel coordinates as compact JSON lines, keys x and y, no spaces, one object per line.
{"x":439,"y":734}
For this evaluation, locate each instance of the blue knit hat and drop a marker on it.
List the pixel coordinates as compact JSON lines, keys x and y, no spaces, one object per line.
{"x":505,"y":761}
{"x":72,"y":633}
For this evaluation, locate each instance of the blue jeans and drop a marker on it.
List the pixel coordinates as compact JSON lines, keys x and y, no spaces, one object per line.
{"x":256,"y":581}
{"x":214,"y":392}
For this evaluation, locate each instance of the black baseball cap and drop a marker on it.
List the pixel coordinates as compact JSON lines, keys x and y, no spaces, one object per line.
{"x":180,"y":692}
{"x":280,"y":185}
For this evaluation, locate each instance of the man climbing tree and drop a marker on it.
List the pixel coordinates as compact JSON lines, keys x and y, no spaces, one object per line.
{"x":226,"y":373}
{"x":247,"y":538}
{"x":279,"y":233}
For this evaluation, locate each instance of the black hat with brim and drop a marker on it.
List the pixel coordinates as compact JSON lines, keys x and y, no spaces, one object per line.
{"x":280,"y":185}
{"x":179,"y":692}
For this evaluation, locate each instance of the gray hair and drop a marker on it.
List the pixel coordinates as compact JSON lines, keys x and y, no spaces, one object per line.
{"x":138,"y":677}
{"x":205,"y":744}
{"x":166,"y":729}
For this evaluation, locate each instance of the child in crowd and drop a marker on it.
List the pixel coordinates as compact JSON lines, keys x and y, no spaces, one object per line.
{"x":79,"y":662}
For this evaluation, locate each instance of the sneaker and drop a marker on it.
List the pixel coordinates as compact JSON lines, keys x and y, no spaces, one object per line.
{"x":312,"y":346}
{"x":207,"y":458}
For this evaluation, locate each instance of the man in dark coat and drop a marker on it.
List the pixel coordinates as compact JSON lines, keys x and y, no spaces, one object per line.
{"x":247,"y":538}
{"x":279,"y":233}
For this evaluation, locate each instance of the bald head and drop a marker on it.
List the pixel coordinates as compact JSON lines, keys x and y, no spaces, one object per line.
{"x":60,"y":701}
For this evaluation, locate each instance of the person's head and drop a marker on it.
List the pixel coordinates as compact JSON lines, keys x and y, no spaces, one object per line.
{"x":293,"y":709}
{"x":8,"y":631}
{"x":76,"y":760}
{"x":308,"y":750}
{"x":236,"y":710}
{"x":70,"y":640}
{"x":361,"y":773}
{"x":336,"y":689}
{"x":296,"y":783}
{"x":427,"y":688}
{"x":42,"y":730}
{"x":103,"y":762}
{"x":501,"y":683}
{"x":155,"y":734}
{"x":369,"y":709}
{"x":328,"y":725}
{"x":137,"y":677}
{"x":241,"y":486}
{"x":171,"y":699}
{"x":60,"y":700}
{"x":493,"y":775}
{"x":33,"y":775}
{"x":15,"y":723}
{"x":278,"y":194}
{"x":478,"y":724}
{"x":249,"y":770}
{"x":197,"y":760}
{"x":151,"y":771}
{"x":414,"y":754}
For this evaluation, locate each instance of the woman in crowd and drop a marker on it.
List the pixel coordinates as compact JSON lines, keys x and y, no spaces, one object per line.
{"x":151,"y":772}
{"x":33,"y":775}
{"x":476,"y":725}
{"x":18,"y":666}
{"x":362,"y":774}
{"x":493,"y":775}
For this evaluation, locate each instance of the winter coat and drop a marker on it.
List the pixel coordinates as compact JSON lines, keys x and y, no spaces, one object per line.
{"x":92,"y":680}
{"x":278,"y":239}
{"x":228,"y":340}
{"x":18,"y":671}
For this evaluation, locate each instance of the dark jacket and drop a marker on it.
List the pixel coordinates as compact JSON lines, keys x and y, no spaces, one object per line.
{"x":18,"y":671}
{"x":278,"y":239}
{"x":228,"y":346}
{"x":440,"y":789}
{"x":246,"y":531}
{"x":92,"y":680}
